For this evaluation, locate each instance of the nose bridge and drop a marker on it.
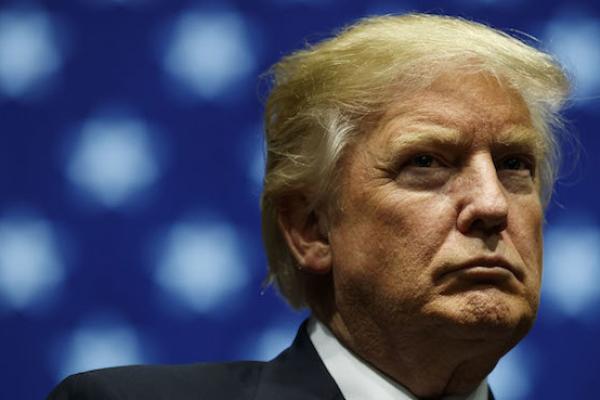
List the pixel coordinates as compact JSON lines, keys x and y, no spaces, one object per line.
{"x":483,"y":201}
{"x":484,"y":181}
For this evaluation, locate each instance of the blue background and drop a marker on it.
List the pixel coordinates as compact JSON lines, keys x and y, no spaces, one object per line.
{"x":130,"y":168}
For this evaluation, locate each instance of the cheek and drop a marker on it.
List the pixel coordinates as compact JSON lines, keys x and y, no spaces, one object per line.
{"x":420,"y":222}
{"x":528,"y":238}
{"x":393,"y":238}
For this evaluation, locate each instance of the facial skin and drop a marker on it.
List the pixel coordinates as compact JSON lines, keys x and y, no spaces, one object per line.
{"x":435,"y":256}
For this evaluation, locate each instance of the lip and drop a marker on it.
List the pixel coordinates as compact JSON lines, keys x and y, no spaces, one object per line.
{"x":482,"y":264}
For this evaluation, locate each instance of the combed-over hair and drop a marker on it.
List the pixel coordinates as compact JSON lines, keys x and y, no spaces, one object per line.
{"x":325,"y":95}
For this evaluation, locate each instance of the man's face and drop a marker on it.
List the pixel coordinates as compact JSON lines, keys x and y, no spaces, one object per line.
{"x":440,"y":226}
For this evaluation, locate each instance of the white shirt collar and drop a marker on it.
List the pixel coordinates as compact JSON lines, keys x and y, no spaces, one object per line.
{"x":358,"y":380}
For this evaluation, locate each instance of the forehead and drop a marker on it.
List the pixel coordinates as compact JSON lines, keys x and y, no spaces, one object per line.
{"x":460,"y":110}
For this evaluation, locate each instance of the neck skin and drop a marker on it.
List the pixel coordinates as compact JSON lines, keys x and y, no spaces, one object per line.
{"x":429,"y":362}
{"x":429,"y":366}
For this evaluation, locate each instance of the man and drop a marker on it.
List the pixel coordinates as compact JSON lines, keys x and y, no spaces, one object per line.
{"x":409,"y":162}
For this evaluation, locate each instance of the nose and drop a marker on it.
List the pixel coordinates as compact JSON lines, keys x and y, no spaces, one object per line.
{"x":483,"y":206}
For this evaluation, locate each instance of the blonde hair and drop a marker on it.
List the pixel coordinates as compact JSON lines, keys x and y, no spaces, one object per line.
{"x":324,"y":95}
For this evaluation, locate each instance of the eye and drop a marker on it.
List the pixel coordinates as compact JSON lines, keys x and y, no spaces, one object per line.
{"x":423,"y":161}
{"x":516,"y":163}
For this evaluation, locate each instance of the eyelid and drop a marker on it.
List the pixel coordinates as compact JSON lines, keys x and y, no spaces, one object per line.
{"x":436,"y":158}
{"x":406,"y":160}
{"x":529,"y":160}
{"x":526,"y":158}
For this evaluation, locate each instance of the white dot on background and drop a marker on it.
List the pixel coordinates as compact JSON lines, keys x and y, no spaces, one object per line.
{"x":511,"y":379}
{"x":574,"y":39}
{"x":273,"y":341}
{"x":571,"y":280}
{"x":202,"y":264}
{"x":113,"y":160}
{"x":209,"y":52}
{"x":99,"y":344}
{"x":29,"y":51}
{"x":30,"y":263}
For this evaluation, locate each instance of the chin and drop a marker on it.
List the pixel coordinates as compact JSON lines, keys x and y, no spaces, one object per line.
{"x":489,"y":313}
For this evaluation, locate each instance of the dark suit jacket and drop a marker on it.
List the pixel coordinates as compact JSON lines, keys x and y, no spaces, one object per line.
{"x":296,"y":374}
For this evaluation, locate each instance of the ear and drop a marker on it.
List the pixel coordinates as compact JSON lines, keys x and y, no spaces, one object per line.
{"x":306,"y":235}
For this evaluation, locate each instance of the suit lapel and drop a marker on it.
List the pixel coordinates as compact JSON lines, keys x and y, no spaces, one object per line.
{"x":297,"y":373}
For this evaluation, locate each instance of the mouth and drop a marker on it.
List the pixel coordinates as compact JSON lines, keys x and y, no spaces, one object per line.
{"x":483,"y":269}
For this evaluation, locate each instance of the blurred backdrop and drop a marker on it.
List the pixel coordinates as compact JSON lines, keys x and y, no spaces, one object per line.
{"x":130,"y":172}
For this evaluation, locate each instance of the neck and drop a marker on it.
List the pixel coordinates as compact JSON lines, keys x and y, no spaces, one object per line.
{"x":430,"y":365}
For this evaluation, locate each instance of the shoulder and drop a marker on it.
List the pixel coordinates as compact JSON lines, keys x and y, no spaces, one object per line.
{"x":206,"y":381}
{"x":296,"y":374}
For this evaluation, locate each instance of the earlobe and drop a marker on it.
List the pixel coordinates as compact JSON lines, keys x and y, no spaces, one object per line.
{"x":306,"y":237}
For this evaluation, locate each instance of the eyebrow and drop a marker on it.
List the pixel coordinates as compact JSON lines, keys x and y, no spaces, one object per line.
{"x":430,"y":134}
{"x":519,"y":137}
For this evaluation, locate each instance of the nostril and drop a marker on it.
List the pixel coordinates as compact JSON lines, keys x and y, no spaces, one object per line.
{"x":484,"y":217}
{"x":489,"y":225}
